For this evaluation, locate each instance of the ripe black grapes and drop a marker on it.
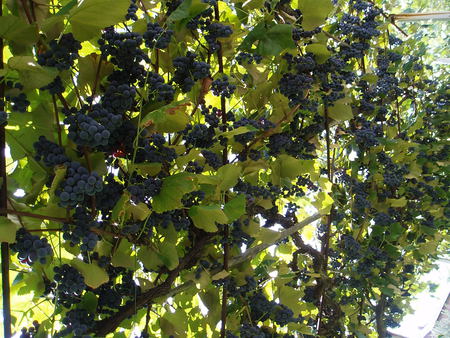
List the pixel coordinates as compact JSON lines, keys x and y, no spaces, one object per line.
{"x":50,"y":153}
{"x":61,"y":54}
{"x":55,"y":87}
{"x":78,"y":322}
{"x":158,"y":89}
{"x":70,"y":285}
{"x":19,"y":103}
{"x":79,"y":231}
{"x":31,"y":248}
{"x":214,"y":31}
{"x":156,"y":36}
{"x":77,"y":184}
{"x":145,"y":190}
{"x":200,"y":136}
{"x":131,"y":12}
{"x":85,"y":131}
{"x":31,"y":331}
{"x":187,"y":71}
{"x":222,"y":87}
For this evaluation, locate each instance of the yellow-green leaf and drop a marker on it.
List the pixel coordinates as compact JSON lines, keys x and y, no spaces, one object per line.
{"x":7,"y":230}
{"x":206,"y":216}
{"x":94,"y":276}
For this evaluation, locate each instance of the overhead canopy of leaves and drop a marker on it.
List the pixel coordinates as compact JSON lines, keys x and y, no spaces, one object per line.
{"x":290,"y":157}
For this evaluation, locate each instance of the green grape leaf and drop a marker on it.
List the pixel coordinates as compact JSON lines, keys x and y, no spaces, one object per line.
{"x":289,"y":167}
{"x":397,"y":203}
{"x":206,"y":216}
{"x":139,"y":211}
{"x":94,"y":276}
{"x":320,"y":51}
{"x":87,"y":77}
{"x":257,"y":33}
{"x":235,"y":208}
{"x":87,"y":22}
{"x":89,"y":302}
{"x":172,"y":191}
{"x":60,"y":173}
{"x":168,"y":254}
{"x":16,"y":29}
{"x":314,"y":12}
{"x":123,"y":255}
{"x":340,"y":111}
{"x":66,"y":8}
{"x":7,"y":230}
{"x":276,"y":39}
{"x":31,"y":74}
{"x":228,"y":176}
{"x":187,"y":10}
{"x":149,"y":258}
{"x":168,"y":119}
{"x":175,"y":324}
{"x":120,"y":207}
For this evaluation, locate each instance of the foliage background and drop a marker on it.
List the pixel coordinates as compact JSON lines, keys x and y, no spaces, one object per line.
{"x":332,"y":271}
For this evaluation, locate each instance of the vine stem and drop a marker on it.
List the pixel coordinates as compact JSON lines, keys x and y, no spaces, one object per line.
{"x":97,"y":77}
{"x":63,"y":101}
{"x":226,"y":230}
{"x":58,"y":126}
{"x":164,"y":290}
{"x":326,"y":238}
{"x":379,"y":314}
{"x":27,"y":11}
{"x":32,"y":215}
{"x":3,"y":205}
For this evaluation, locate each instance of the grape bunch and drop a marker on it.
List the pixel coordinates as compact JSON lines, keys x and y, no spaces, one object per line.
{"x":282,"y":315}
{"x":77,"y":322}
{"x":238,"y":236}
{"x":248,"y":58}
{"x":108,"y":118}
{"x":125,"y":52}
{"x":156,"y":151}
{"x":118,"y":97}
{"x":212,"y":159}
{"x":107,"y":198}
{"x":179,"y":219}
{"x":261,"y":307}
{"x":199,"y":136}
{"x":249,"y":331}
{"x":30,"y":248}
{"x":70,"y":285}
{"x":50,"y":153}
{"x":54,"y":87}
{"x":383,"y":219}
{"x":19,"y":103}
{"x":131,"y":11}
{"x":211,"y":115}
{"x":157,"y":37}
{"x":187,"y":71}
{"x":299,"y":33}
{"x":222,"y":87}
{"x":367,"y":135}
{"x":77,"y":184}
{"x":145,"y":190}
{"x":31,"y":331}
{"x":61,"y":54}
{"x":293,"y":86}
{"x":159,"y":90}
{"x":215,"y":31}
{"x":351,"y":247}
{"x":85,"y":131}
{"x":79,"y":231}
